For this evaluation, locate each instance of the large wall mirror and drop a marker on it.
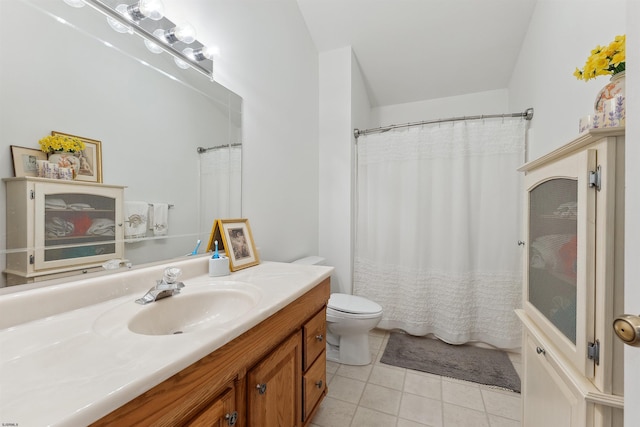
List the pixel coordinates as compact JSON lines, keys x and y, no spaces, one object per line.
{"x":64,"y":69}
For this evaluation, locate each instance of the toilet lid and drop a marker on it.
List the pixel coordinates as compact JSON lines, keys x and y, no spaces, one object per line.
{"x":353,"y":304}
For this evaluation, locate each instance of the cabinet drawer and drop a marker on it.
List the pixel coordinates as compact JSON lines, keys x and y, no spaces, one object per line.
{"x":314,"y":385}
{"x":314,"y":335}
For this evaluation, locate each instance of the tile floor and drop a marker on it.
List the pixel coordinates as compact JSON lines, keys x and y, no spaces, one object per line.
{"x":380,"y":395}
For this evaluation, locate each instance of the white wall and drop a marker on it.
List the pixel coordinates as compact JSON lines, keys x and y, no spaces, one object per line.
{"x":268,"y":58}
{"x":559,"y":39}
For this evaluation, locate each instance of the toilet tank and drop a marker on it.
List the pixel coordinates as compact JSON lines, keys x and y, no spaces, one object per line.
{"x":310,"y":260}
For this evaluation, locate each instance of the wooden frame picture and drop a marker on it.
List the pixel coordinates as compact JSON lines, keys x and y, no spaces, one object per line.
{"x":25,"y":160}
{"x":90,"y":159}
{"x":235,"y":238}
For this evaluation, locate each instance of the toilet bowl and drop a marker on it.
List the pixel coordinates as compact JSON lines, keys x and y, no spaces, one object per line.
{"x":349,"y":320}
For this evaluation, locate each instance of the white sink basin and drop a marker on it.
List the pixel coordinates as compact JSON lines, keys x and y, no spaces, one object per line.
{"x":194,"y":309}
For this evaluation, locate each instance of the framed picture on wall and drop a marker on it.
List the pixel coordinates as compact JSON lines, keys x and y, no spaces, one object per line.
{"x":90,"y":159}
{"x":25,"y":160}
{"x":237,"y":242}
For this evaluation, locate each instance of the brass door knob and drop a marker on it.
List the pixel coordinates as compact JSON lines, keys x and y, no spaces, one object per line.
{"x":627,"y":328}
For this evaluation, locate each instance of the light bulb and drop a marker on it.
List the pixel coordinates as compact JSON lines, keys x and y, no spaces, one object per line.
{"x":183,"y":32}
{"x":152,"y":9}
{"x":153,"y":47}
{"x":180,"y":63}
{"x":200,"y":54}
{"x":117,"y":25}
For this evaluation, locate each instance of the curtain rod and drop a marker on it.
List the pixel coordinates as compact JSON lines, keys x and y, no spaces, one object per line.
{"x":204,"y":150}
{"x":527,"y":115}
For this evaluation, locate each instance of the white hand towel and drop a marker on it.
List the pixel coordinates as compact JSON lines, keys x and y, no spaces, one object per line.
{"x":160,"y":219}
{"x":135,"y":219}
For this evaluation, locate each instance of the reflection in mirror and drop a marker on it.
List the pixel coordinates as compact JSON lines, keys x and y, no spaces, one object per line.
{"x":71,"y":73}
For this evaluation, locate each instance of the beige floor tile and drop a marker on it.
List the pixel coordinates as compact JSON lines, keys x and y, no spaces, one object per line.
{"x":381,"y":399}
{"x":375,"y":343}
{"x":355,"y":372}
{"x":388,"y":376}
{"x":365,"y":417}
{"x":334,"y":413}
{"x":332,"y":367}
{"x":421,"y":409}
{"x":458,"y":416}
{"x":425,"y":385}
{"x":346,"y":389}
{"x":502,"y":403}
{"x":462,"y":394}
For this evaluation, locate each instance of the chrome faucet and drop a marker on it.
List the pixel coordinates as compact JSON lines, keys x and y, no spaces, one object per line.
{"x":166,"y":287}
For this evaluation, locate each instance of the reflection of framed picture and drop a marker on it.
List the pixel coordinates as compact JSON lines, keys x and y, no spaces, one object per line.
{"x":237,"y":241}
{"x":25,"y":160}
{"x":90,"y":159}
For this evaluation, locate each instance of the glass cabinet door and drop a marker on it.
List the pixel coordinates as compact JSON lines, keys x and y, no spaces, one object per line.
{"x":77,"y":226}
{"x":553,"y":250}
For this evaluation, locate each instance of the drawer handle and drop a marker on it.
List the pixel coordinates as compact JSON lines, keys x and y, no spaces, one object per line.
{"x":319,"y":337}
{"x":319,"y":384}
{"x":541,"y":350}
{"x":262,"y":388}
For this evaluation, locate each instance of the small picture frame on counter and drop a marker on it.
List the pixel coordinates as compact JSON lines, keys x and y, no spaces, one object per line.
{"x":234,"y":236}
{"x":25,"y":160}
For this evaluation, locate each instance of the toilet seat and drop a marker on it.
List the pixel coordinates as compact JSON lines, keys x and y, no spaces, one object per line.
{"x":352,"y":306}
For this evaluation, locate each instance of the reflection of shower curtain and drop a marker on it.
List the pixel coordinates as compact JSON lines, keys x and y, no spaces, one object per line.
{"x":438,"y":216}
{"x":220,"y":185}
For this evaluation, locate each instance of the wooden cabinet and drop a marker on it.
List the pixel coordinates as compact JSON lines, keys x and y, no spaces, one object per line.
{"x":273,"y":395}
{"x":573,"y":283}
{"x":57,"y":228}
{"x":258,"y":379}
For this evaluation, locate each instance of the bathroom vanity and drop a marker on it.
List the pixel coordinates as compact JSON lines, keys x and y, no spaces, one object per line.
{"x":262,"y":362}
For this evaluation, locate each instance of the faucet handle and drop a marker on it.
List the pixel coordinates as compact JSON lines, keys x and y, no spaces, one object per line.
{"x":171,"y":275}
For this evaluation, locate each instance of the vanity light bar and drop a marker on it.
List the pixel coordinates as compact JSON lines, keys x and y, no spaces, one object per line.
{"x":145,"y":28}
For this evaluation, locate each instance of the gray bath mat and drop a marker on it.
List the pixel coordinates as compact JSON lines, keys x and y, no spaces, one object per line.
{"x":464,"y":362}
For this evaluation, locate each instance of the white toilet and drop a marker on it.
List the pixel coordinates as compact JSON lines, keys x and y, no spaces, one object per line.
{"x":349,"y":320}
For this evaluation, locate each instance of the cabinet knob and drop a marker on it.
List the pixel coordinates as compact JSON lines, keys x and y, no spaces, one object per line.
{"x":521,"y":243}
{"x":231,"y":418}
{"x":319,"y":337}
{"x":627,"y":328}
{"x":262,"y":388}
{"x":319,"y":384}
{"x":541,"y":350}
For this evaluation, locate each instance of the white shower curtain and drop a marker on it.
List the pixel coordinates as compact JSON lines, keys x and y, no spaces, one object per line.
{"x":220,"y":185}
{"x":438,"y":220}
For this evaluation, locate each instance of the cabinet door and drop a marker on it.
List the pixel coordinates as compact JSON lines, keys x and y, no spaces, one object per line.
{"x":314,"y":385}
{"x":547,"y":400}
{"x":314,"y":336}
{"x":76,"y":224}
{"x":220,"y":413}
{"x":559,"y":278}
{"x":273,"y":387}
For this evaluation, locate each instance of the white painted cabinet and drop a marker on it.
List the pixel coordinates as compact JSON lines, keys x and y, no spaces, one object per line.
{"x":573,"y":283}
{"x":57,"y":228}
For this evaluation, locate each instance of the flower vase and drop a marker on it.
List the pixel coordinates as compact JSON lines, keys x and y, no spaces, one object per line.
{"x":610,"y":102}
{"x":65,"y":159}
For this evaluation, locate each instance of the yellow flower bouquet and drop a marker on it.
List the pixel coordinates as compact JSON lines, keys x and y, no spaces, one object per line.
{"x":609,"y":60}
{"x":52,"y":143}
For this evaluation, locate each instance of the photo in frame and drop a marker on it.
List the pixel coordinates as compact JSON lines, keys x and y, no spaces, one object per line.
{"x":90,"y":159}
{"x":25,"y":160}
{"x":235,"y":238}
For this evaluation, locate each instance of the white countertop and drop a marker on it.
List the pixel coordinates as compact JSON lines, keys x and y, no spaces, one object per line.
{"x":68,"y":369}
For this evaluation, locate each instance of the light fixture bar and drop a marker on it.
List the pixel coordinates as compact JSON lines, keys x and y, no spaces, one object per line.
{"x":204,"y":66}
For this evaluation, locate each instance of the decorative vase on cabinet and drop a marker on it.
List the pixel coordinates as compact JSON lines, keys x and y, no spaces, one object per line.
{"x":610,"y":101}
{"x":66,"y":160}
{"x":573,"y":282}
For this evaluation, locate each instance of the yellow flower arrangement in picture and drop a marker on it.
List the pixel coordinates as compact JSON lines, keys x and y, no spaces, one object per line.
{"x":52,"y":143}
{"x":609,"y":60}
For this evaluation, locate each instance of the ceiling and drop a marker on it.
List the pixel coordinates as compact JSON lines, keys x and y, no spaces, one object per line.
{"x":414,"y":50}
